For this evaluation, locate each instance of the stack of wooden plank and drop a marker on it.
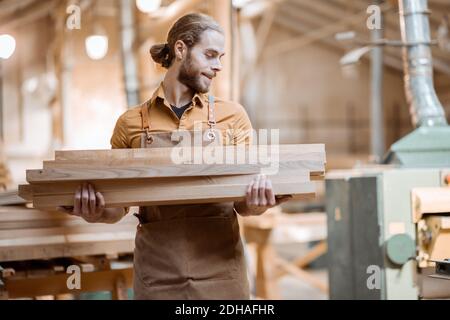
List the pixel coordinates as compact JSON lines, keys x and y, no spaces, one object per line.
{"x":30,"y":234}
{"x":167,"y":176}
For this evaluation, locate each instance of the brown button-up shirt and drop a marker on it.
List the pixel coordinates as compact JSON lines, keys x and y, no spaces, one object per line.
{"x":232,"y":121}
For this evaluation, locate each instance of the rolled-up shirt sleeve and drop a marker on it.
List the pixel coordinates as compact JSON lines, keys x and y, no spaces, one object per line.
{"x":119,"y":140}
{"x":243,"y":129}
{"x":120,"y":137}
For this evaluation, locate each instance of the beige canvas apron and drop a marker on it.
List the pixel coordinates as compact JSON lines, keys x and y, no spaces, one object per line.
{"x":188,"y":251}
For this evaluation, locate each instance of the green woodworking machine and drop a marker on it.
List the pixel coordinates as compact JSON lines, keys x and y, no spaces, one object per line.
{"x":389,"y":225}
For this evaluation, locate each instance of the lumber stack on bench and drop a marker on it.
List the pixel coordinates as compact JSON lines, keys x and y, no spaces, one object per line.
{"x":167,"y":176}
{"x":29,"y":234}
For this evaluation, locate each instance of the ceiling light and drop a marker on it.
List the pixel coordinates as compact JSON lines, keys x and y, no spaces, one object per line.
{"x":97,"y":46}
{"x":7,"y":46}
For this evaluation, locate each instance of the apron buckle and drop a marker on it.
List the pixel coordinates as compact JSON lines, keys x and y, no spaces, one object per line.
{"x":211,"y":135}
{"x":150,"y":138}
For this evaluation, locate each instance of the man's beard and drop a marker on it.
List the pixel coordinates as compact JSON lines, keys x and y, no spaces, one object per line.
{"x":190,"y":77}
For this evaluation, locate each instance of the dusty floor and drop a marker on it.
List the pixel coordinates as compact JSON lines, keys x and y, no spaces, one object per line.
{"x":293,"y":288}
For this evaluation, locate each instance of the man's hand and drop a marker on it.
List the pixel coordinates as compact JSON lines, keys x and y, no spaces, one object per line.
{"x":88,"y":204}
{"x":259,"y":198}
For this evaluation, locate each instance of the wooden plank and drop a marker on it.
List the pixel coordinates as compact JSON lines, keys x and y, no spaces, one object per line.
{"x":161,"y":155}
{"x":284,"y":156}
{"x":70,"y":238}
{"x":10,"y":198}
{"x":22,"y":223}
{"x":57,"y":284}
{"x":19,"y":224}
{"x":429,"y":200}
{"x":28,"y":250}
{"x":133,"y":172}
{"x":39,"y":224}
{"x":26,"y":192}
{"x":160,"y":191}
{"x":70,"y":222}
{"x":30,"y":216}
{"x":19,"y":213}
{"x":67,"y":231}
{"x":173,"y":196}
{"x":164,"y":191}
{"x":284,"y":176}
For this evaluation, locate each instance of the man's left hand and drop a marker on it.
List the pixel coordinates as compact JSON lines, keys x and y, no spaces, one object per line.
{"x":259,"y":198}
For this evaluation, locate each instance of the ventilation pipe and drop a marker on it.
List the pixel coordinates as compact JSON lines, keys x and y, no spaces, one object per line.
{"x":129,"y":61}
{"x":425,"y":108}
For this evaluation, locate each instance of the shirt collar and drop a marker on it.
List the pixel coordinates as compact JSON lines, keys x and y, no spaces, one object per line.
{"x":199,"y":99}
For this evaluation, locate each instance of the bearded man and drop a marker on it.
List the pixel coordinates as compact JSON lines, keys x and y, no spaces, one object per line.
{"x":186,"y":251}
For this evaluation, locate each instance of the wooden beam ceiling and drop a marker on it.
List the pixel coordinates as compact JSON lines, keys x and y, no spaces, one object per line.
{"x":8,"y":7}
{"x":23,"y":15}
{"x":323,"y":15}
{"x":391,"y":61}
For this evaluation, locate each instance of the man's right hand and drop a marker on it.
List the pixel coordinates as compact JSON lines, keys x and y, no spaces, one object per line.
{"x":88,"y":204}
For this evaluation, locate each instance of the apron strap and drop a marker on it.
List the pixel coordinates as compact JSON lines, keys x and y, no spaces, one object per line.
{"x":211,"y":115}
{"x":144,"y":113}
{"x":145,"y":120}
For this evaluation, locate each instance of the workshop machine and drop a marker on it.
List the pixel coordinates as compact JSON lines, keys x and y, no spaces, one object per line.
{"x":389,"y":225}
